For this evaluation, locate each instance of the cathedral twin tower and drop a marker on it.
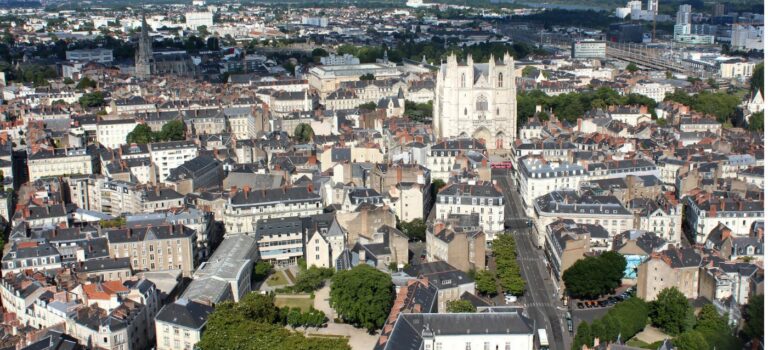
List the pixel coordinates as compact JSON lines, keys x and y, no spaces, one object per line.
{"x":477,"y":100}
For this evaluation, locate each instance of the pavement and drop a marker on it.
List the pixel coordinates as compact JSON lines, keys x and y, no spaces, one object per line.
{"x":540,"y":300}
{"x":358,"y":337}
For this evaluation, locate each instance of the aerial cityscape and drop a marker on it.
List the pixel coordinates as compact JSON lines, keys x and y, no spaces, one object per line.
{"x":382,"y":174}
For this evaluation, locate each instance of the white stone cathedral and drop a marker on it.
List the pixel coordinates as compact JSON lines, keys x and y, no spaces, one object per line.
{"x":477,"y":100}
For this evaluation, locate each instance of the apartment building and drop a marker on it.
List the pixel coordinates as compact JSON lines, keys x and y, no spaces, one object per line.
{"x":325,"y":241}
{"x":674,"y":267}
{"x":60,"y":161}
{"x":113,"y":132}
{"x":459,"y":241}
{"x":155,"y":248}
{"x":606,"y":211}
{"x":246,"y":207}
{"x":537,"y":177}
{"x":704,"y":212}
{"x":482,"y":198}
{"x":180,"y":325}
{"x":566,"y":243}
{"x":281,"y":240}
{"x":442,"y":155}
{"x":167,"y":156}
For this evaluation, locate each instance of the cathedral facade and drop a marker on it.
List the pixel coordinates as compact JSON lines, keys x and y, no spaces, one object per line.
{"x":477,"y":100}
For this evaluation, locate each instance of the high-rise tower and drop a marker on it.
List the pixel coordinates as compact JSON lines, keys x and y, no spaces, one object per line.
{"x":144,"y":53}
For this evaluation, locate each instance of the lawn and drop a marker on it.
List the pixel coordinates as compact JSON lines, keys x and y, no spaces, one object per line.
{"x":304,"y":302}
{"x":277,"y":279}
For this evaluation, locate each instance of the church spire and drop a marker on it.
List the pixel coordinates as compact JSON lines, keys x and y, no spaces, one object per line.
{"x":144,"y":53}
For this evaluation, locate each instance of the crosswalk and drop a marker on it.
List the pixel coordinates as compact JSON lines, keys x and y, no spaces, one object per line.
{"x":536,"y":304}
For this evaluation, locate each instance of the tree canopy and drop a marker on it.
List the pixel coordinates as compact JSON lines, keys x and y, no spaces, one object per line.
{"x":485,"y":283}
{"x":756,"y":122}
{"x":418,"y":112}
{"x":173,"y":130}
{"x":93,"y":99}
{"x":458,"y":306}
{"x":690,"y":341}
{"x":415,"y":229}
{"x":625,"y":319}
{"x":632,"y":68}
{"x":303,"y":133}
{"x":754,"y":317}
{"x":255,"y":323}
{"x":671,"y":312}
{"x":594,"y":276}
{"x":362,"y":296}
{"x":722,"y":105}
{"x":757,"y":79}
{"x":573,"y":105}
{"x":507,"y":269}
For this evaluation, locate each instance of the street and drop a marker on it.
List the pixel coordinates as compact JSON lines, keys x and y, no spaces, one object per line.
{"x":540,"y":299}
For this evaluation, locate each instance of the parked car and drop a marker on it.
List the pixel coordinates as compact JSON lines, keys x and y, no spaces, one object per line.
{"x":509,"y":298}
{"x":580,"y":305}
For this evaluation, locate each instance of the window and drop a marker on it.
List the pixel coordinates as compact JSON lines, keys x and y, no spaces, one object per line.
{"x":463,"y":80}
{"x":486,"y":346}
{"x":468,"y":346}
{"x":481,"y":105}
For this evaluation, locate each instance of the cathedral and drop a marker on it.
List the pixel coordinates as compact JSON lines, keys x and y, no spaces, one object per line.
{"x":477,"y":100}
{"x":150,"y":63}
{"x":144,"y":53}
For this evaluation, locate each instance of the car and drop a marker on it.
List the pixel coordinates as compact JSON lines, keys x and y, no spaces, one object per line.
{"x":603,"y":303}
{"x":509,"y":298}
{"x":588,"y":304}
{"x":580,"y":305}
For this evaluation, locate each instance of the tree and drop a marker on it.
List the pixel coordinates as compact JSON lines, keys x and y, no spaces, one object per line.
{"x":93,"y":99}
{"x":142,"y":134}
{"x":418,"y":112}
{"x":85,"y":83}
{"x":203,"y":31}
{"x":671,"y":312}
{"x":485,"y":283}
{"x":690,"y":340}
{"x":754,"y":317}
{"x":592,"y":277}
{"x":756,"y":122}
{"x":362,"y":296}
{"x":370,"y":106}
{"x":368,"y":77}
{"x":507,"y":269}
{"x":757,"y":80}
{"x":715,"y":330}
{"x":459,"y":306}
{"x":415,"y":229}
{"x":261,"y":270}
{"x":303,"y":133}
{"x":311,"y":279}
{"x":632,"y":68}
{"x":583,"y":336}
{"x":173,"y":130}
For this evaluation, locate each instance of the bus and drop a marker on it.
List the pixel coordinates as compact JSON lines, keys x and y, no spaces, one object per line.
{"x":543,"y":341}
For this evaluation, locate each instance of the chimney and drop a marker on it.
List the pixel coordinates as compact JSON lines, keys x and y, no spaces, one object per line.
{"x":399,"y":174}
{"x":712,"y":210}
{"x":722,"y":204}
{"x":232,"y":191}
{"x":310,"y":188}
{"x":246,"y":189}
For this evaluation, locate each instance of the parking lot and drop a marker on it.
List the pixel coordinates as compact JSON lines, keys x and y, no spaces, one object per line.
{"x":590,"y":310}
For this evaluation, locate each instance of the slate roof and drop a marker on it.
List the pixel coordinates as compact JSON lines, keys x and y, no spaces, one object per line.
{"x":410,"y":329}
{"x":185,"y":313}
{"x":138,"y":234}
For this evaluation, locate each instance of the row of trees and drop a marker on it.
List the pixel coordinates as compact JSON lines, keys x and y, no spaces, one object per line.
{"x":256,"y":323}
{"x":594,"y":276}
{"x":507,"y":269}
{"x":142,"y":134}
{"x":626,"y":319}
{"x":296,"y":318}
{"x":573,"y":105}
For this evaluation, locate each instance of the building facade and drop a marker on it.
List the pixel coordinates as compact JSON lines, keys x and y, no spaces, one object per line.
{"x":477,"y":100}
